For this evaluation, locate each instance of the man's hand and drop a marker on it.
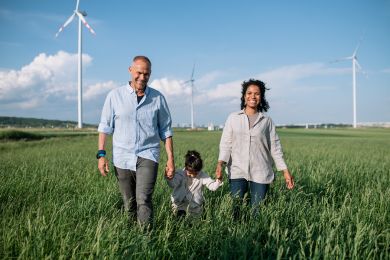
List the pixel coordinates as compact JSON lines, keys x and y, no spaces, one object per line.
{"x":103,"y":166}
{"x":168,"y":174}
{"x":170,"y":169}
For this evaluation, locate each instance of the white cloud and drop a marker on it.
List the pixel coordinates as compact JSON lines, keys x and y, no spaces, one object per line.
{"x":387,"y":71}
{"x":171,"y":87}
{"x":27,"y":104}
{"x":223,"y":91}
{"x":46,"y":75}
{"x":300,"y":71}
{"x":287,"y":80}
{"x":99,"y":89}
{"x":210,"y":78}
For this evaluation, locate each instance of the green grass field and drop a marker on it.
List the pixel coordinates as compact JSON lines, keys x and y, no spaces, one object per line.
{"x":55,"y":204}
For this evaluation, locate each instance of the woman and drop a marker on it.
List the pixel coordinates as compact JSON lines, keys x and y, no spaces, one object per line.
{"x":249,"y":144}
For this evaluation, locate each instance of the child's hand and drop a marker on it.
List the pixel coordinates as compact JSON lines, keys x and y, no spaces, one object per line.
{"x":169,"y":174}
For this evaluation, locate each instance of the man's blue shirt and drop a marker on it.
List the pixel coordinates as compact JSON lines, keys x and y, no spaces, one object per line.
{"x":137,"y":128}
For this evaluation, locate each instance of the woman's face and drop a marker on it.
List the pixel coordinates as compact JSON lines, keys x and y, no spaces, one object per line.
{"x":252,"y":96}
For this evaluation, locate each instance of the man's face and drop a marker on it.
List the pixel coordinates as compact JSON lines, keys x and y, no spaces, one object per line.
{"x":140,"y":74}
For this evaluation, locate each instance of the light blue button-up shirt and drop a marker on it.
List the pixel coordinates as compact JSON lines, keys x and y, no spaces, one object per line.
{"x":137,"y":128}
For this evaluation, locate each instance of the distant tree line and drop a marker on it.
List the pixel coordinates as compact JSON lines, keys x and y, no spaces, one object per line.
{"x":24,"y":122}
{"x":330,"y":125}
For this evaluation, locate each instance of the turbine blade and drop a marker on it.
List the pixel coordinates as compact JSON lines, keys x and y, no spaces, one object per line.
{"x":357,"y":48}
{"x":358,"y":45}
{"x":193,"y":71}
{"x":342,"y":59}
{"x":77,"y":5}
{"x":85,"y":22}
{"x":358,"y":65}
{"x":360,"y":69}
{"x":65,"y":24}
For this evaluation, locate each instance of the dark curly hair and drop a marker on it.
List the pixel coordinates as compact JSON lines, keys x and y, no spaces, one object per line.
{"x":263,"y":106}
{"x":193,"y":161}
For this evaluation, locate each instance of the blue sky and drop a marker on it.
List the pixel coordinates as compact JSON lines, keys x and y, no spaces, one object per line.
{"x":287,"y":44}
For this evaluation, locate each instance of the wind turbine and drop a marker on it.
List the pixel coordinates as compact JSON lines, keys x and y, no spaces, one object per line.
{"x":191,"y":81}
{"x":355,"y":64}
{"x":80,"y":15}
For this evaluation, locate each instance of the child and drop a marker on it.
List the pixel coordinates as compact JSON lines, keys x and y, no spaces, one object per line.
{"x":187,"y":184}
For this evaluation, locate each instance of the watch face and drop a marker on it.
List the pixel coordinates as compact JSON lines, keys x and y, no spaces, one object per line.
{"x":100,"y":153}
{"x":98,"y":156}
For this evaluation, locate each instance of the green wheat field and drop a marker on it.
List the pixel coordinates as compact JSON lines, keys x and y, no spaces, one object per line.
{"x":55,"y":205}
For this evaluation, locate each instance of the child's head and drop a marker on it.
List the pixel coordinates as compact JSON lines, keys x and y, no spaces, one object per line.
{"x":193,"y":161}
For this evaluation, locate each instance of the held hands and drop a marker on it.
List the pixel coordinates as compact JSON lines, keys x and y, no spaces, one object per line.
{"x":289,"y":179}
{"x":218,"y":171}
{"x":103,"y":166}
{"x":168,"y":174}
{"x":170,"y":169}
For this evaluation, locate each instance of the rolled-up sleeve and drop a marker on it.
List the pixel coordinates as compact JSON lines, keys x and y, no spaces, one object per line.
{"x":175,"y":181}
{"x":106,"y":124}
{"x":164,"y":120}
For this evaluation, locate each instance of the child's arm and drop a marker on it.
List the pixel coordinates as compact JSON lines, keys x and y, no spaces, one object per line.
{"x":211,"y":184}
{"x":174,"y":181}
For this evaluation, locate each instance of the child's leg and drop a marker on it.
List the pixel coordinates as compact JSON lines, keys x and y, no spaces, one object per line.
{"x":181,"y":213}
{"x":195,"y":211}
{"x":179,"y":209}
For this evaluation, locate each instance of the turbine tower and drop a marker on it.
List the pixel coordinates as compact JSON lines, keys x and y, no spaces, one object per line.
{"x":191,"y":81}
{"x":80,"y":15}
{"x":355,"y":64}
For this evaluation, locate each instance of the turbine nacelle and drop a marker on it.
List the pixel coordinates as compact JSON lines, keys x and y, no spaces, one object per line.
{"x":81,"y":15}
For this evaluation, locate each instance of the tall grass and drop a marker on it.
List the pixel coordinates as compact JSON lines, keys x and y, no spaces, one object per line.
{"x":55,"y":204}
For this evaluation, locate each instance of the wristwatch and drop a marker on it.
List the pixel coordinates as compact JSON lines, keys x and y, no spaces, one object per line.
{"x":100,"y":153}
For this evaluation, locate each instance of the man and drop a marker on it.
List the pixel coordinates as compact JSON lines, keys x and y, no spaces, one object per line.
{"x":138,"y":117}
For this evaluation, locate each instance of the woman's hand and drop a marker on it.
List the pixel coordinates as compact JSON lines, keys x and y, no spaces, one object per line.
{"x":218,"y":170}
{"x":289,"y":179}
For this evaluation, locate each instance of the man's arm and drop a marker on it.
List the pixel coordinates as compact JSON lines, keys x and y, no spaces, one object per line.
{"x":103,"y":164}
{"x":170,"y":168}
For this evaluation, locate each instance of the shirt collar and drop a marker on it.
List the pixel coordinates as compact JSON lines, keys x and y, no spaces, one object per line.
{"x":147,"y":89}
{"x":242,"y":112}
